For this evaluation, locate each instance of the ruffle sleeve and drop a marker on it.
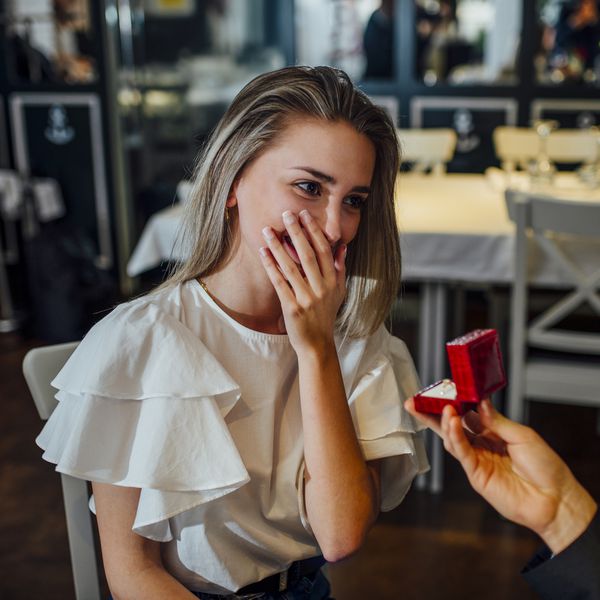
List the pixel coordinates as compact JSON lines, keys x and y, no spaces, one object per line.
{"x":142,"y":403}
{"x":385,"y":430}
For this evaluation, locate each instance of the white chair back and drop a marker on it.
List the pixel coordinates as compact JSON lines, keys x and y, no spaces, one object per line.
{"x":546,"y":222}
{"x":574,"y":146}
{"x":427,"y":149}
{"x":40,"y":366}
{"x":516,"y":146}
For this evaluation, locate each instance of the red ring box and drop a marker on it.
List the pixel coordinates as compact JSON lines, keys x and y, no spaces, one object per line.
{"x":477,"y":370}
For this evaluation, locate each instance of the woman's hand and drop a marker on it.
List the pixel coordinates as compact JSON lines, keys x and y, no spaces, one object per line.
{"x":310,"y":293}
{"x":341,"y":491}
{"x":512,"y":467}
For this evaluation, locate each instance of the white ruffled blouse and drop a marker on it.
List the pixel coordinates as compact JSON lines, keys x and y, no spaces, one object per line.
{"x":171,"y":395}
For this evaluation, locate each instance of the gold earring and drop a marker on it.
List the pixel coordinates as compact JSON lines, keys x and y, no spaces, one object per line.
{"x":227,"y":214}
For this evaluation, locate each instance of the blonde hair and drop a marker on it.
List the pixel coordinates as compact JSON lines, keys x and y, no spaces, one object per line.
{"x":257,"y":115}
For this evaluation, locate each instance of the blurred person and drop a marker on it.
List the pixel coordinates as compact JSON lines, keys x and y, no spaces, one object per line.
{"x":446,"y":49}
{"x":25,"y":61}
{"x":75,"y":47}
{"x":437,"y":33}
{"x":514,"y":470}
{"x":232,"y":421}
{"x":378,"y":42}
{"x":577,"y":38}
{"x":425,"y":24}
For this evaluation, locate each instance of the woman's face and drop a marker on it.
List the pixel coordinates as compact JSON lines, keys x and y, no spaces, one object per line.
{"x":322,"y":166}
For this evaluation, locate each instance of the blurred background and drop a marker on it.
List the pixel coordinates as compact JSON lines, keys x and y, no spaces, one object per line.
{"x":103,"y":107}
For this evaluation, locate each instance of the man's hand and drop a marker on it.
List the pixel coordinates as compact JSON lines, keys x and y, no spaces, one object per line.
{"x":512,"y":467}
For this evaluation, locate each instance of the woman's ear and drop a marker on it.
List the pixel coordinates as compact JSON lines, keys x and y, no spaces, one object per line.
{"x":232,"y":197}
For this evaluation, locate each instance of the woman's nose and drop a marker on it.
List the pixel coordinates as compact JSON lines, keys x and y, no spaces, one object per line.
{"x":332,"y":227}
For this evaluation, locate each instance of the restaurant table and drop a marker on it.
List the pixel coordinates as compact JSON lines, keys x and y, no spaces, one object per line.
{"x":453,"y":229}
{"x":456,"y":228}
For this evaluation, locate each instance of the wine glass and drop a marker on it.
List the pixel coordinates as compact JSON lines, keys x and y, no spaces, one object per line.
{"x":542,"y":169}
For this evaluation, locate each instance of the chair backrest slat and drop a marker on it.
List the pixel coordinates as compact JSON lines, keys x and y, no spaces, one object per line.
{"x":565,"y":216}
{"x":573,"y":146}
{"x":427,"y":148}
{"x":553,"y":219}
{"x":519,"y":145}
{"x":40,"y":367}
{"x":515,"y":144}
{"x":568,"y":341}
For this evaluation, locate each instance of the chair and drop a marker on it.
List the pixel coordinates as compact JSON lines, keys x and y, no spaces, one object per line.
{"x":40,"y":366}
{"x":566,"y":368}
{"x":516,"y":146}
{"x":574,"y":146}
{"x":427,"y":148}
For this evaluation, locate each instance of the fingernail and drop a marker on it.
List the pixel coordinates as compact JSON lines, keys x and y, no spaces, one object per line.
{"x":305,"y":215}
{"x":268,"y":233}
{"x":288,"y":217}
{"x":263,"y":251}
{"x":486,"y":407}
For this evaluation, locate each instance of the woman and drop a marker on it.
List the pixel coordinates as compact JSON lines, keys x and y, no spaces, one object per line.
{"x":247,"y":416}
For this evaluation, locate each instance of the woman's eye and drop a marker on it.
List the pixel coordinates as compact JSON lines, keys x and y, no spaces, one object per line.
{"x":356,"y":201}
{"x":310,"y":187}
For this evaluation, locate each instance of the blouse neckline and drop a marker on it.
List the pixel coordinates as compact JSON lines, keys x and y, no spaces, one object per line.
{"x":281,"y":338}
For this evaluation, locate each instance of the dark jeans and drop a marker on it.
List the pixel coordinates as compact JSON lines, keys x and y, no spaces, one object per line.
{"x":312,"y":587}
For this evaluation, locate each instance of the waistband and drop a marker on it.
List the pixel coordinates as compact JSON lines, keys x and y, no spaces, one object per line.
{"x":277,"y":582}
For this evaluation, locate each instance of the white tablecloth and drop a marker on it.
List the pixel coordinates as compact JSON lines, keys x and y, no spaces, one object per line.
{"x":456,"y":228}
{"x":158,"y":242}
